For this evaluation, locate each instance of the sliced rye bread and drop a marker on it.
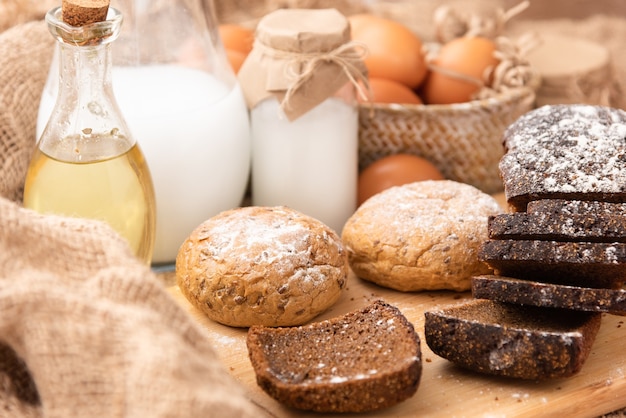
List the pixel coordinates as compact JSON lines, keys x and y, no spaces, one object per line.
{"x":363,"y":361}
{"x":587,"y":264}
{"x":550,"y":226}
{"x":548,"y":295}
{"x":574,"y":152}
{"x":575,"y":207}
{"x":512,"y":340}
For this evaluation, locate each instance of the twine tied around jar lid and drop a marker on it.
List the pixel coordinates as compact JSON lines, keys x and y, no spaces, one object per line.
{"x":301,"y":66}
{"x":301,"y":57}
{"x":513,"y":69}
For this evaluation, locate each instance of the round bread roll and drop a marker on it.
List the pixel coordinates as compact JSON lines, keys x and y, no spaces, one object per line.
{"x":420,"y":236}
{"x":269,"y":266}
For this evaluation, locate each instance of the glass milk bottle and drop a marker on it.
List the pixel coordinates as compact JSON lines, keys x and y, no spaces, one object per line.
{"x":184,"y":105}
{"x":299,"y":82}
{"x":86,"y":162}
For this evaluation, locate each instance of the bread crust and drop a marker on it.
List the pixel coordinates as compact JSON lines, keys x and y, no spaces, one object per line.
{"x":587,"y":227}
{"x":586,"y":264}
{"x":420,"y":236}
{"x":516,"y":341}
{"x":269,"y":266}
{"x":549,"y":295}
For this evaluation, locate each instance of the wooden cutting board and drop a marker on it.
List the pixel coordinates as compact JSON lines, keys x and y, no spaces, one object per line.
{"x":446,"y":390}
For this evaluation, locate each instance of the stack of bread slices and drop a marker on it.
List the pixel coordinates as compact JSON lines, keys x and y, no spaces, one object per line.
{"x":559,"y":257}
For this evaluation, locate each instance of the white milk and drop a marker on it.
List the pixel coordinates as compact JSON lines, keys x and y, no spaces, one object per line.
{"x":194,"y":132}
{"x":309,"y":164}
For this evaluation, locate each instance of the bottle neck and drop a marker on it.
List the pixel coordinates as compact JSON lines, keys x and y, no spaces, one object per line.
{"x":86,"y":123}
{"x":85,"y":76}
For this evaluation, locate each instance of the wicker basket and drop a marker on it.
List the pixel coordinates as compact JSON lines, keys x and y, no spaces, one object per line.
{"x":463,"y":140}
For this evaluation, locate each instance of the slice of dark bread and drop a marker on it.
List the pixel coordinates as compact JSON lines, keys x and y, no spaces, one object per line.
{"x":549,"y":295}
{"x":573,"y":151}
{"x":575,"y":207}
{"x":363,"y":361}
{"x":587,"y":264}
{"x":512,"y":340}
{"x":550,"y":226}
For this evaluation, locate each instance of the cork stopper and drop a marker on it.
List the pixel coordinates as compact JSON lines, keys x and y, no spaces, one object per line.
{"x":83,"y":12}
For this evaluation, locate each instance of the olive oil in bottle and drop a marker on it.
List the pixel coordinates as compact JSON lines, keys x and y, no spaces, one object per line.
{"x":86,"y":163}
{"x":115,"y":190}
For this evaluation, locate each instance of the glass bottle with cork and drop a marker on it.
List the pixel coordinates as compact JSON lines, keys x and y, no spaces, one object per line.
{"x":300,"y":82}
{"x":182,"y":101}
{"x":86,"y":162}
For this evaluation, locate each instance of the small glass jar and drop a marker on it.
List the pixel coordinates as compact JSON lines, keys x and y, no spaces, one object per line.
{"x":300,"y":81}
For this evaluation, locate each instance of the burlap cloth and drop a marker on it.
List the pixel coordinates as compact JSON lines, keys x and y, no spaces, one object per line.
{"x":86,"y":330}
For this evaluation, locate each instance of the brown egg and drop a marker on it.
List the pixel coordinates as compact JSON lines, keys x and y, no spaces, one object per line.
{"x":467,"y":56}
{"x":389,"y":91}
{"x":395,"y":53}
{"x":236,"y":37}
{"x":394,"y":170}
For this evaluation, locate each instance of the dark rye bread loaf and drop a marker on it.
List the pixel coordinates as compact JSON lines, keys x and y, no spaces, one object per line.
{"x":575,"y":152}
{"x":363,"y":361}
{"x":587,"y":264}
{"x":549,"y":295}
{"x":512,"y":340}
{"x":550,"y":226}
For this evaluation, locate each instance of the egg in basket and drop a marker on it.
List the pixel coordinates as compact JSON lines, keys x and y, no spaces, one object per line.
{"x":471,"y":86}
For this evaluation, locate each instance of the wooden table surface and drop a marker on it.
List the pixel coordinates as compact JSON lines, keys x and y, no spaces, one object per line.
{"x":446,"y":390}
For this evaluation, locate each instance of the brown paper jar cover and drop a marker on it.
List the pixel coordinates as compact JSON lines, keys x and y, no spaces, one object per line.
{"x":306,"y":50}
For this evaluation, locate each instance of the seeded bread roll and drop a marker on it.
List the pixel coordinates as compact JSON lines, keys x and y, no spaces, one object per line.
{"x":365,"y":360}
{"x":269,"y":266}
{"x":515,"y":341}
{"x":420,"y":236}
